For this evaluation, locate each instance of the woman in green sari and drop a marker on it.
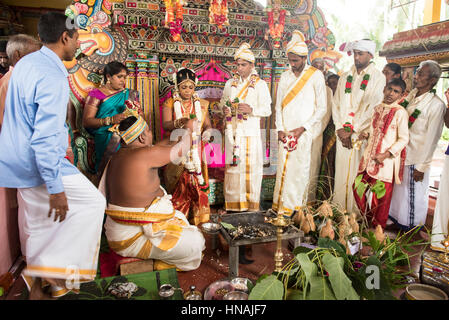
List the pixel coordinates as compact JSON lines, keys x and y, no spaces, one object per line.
{"x":105,"y":107}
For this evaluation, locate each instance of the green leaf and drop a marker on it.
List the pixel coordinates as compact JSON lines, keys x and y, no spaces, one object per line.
{"x":301,"y":249}
{"x":341,"y":285}
{"x":319,"y":289}
{"x":227,"y":226}
{"x":310,"y":269}
{"x":379,"y":189}
{"x":269,"y":288}
{"x":294,"y":294}
{"x":332,"y":244}
{"x":360,"y":186}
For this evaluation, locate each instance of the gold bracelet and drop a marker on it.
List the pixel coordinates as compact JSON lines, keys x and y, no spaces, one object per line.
{"x":101,"y":122}
{"x":107,"y":121}
{"x":176,"y":124}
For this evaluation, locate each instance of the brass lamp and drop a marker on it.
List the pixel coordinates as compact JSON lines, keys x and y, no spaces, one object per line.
{"x":444,"y":256}
{"x":280,"y":222}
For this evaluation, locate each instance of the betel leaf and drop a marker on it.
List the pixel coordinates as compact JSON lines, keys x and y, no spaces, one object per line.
{"x":227,"y":226}
{"x":301,"y":249}
{"x":341,"y":285}
{"x":379,"y":189}
{"x":332,"y":244}
{"x":309,"y":268}
{"x":269,"y":288}
{"x":360,"y":186}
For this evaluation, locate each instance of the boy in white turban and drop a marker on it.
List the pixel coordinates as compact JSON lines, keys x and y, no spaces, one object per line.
{"x":300,"y":108}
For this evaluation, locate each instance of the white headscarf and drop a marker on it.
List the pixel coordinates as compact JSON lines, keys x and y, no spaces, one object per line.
{"x":244,"y":53}
{"x":361,"y":45}
{"x":297,"y":44}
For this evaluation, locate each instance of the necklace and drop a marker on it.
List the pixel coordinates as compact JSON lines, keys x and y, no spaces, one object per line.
{"x":187,"y":107}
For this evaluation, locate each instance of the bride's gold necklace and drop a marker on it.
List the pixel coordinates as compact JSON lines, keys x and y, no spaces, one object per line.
{"x":187,"y":110}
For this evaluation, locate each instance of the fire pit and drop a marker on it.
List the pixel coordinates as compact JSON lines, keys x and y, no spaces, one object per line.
{"x":251,"y":228}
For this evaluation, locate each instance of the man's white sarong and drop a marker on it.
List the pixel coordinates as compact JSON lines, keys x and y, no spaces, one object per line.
{"x":62,"y":250}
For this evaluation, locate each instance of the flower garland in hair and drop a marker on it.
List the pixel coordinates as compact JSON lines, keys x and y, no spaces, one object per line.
{"x":192,"y":161}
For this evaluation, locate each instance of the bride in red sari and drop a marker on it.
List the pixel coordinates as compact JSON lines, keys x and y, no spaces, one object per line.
{"x":188,"y":181}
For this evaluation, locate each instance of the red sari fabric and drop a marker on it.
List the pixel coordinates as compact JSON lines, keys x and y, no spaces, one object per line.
{"x":188,"y":195}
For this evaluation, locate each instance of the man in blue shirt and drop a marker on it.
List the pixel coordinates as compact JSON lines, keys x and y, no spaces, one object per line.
{"x":33,"y":144}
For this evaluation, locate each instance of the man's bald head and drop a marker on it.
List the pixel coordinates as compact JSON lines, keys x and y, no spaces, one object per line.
{"x":19,"y":46}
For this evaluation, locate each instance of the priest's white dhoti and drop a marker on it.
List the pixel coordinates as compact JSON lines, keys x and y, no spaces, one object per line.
{"x":156,"y":232}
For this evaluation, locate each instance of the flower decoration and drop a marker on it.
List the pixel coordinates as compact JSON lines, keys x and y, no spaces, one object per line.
{"x":348,"y":127}
{"x":276,"y":23}
{"x":218,"y":13}
{"x":364,"y":82}
{"x":291,"y":143}
{"x":174,"y":8}
{"x":413,"y":117}
{"x":348,"y":86}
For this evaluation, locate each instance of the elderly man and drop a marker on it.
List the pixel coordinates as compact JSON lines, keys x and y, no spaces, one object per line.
{"x":246,"y":99}
{"x":359,"y":90}
{"x":142,"y":221}
{"x":18,"y":46}
{"x":300,"y":108}
{"x":426,"y":117}
{"x":317,"y":143}
{"x":33,"y":144}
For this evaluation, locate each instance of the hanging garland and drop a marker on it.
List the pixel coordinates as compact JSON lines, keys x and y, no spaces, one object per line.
{"x":276,"y":23}
{"x":218,"y":13}
{"x":192,"y":161}
{"x":240,"y":118}
{"x":363,"y":85}
{"x":172,"y":8}
{"x":405,"y":102}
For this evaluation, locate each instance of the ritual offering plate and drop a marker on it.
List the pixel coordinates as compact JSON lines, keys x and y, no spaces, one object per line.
{"x":123,"y":289}
{"x":419,"y":291}
{"x":236,"y":295}
{"x":211,"y":227}
{"x":242,"y":284}
{"x":218,"y":289}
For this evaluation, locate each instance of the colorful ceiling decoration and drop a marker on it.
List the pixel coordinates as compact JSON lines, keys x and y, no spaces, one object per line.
{"x":413,"y":46}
